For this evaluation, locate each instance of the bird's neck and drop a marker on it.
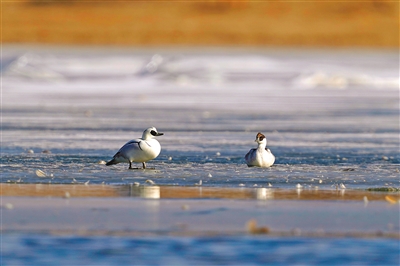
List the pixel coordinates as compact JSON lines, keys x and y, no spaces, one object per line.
{"x":262,"y":145}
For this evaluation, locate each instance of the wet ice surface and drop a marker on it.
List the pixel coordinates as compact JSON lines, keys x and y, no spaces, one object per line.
{"x":309,"y":167}
{"x":213,"y":250}
{"x":330,"y":117}
{"x":358,"y":160}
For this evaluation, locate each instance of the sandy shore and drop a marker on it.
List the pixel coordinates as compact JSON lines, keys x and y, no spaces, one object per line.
{"x":175,"y":192}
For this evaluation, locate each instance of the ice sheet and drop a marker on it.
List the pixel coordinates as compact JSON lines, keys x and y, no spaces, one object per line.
{"x":330,"y":117}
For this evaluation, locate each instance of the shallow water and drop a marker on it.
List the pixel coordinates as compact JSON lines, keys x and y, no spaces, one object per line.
{"x":212,"y":250}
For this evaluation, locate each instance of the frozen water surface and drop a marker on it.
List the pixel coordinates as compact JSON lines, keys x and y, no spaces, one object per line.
{"x":330,"y":117}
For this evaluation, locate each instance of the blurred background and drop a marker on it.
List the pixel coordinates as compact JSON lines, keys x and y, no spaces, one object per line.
{"x":373,"y":23}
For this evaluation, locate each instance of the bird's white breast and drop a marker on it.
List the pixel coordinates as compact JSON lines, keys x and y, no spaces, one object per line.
{"x":139,"y":150}
{"x":260,"y":157}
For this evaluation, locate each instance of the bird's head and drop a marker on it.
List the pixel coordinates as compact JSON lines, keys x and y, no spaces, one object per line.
{"x":150,"y":133}
{"x":261,"y":139}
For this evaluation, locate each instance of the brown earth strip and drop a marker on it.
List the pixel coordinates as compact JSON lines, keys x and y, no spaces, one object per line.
{"x":203,"y":23}
{"x":167,"y":192}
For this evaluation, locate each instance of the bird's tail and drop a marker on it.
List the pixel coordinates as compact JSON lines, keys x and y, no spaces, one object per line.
{"x":113,"y":161}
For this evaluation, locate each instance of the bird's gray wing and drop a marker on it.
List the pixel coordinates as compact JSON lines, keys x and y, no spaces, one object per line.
{"x":249,"y":153}
{"x":132,"y":144}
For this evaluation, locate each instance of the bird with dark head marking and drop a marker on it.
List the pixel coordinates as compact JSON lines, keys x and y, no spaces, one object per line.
{"x":261,"y":156}
{"x":139,"y":150}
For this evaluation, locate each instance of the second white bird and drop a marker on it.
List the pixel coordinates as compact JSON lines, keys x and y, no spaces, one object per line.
{"x":262,"y":156}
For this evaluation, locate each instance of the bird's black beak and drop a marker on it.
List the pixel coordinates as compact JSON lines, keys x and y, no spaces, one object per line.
{"x":155,"y":134}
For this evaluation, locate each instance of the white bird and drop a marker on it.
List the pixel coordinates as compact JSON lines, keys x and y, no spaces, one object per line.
{"x":261,"y":156}
{"x":139,"y":150}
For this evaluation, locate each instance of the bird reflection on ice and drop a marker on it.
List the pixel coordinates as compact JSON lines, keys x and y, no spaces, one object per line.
{"x":264,"y":193}
{"x":147,"y":192}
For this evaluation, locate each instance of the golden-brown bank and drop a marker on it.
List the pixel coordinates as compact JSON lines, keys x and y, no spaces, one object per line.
{"x":203,"y":23}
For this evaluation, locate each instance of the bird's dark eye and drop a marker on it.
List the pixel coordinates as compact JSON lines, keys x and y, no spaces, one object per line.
{"x":153,"y":133}
{"x":261,"y":138}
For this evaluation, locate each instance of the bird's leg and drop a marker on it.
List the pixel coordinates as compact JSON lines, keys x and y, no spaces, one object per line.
{"x":130,"y":166}
{"x":145,"y":167}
